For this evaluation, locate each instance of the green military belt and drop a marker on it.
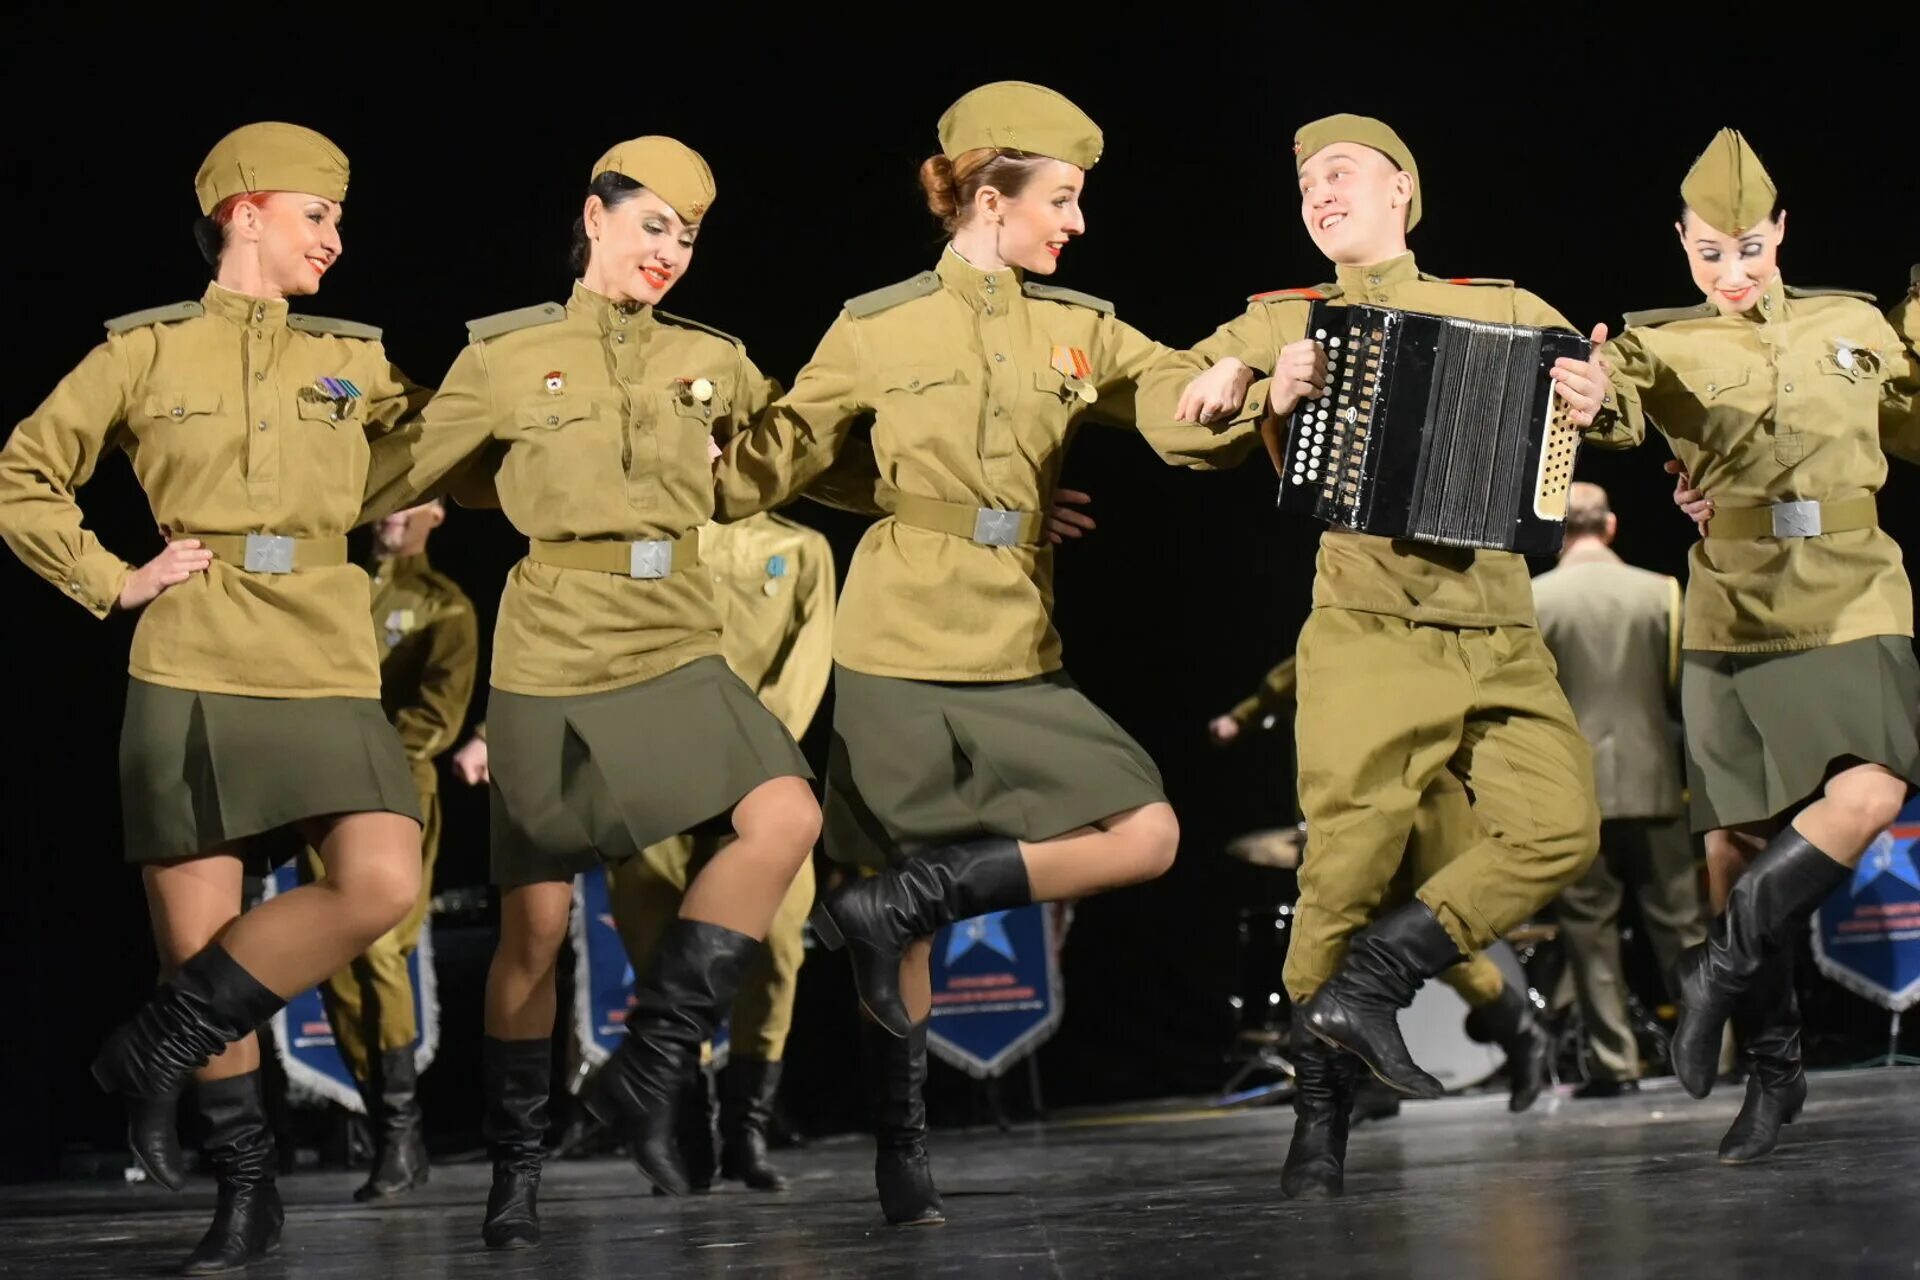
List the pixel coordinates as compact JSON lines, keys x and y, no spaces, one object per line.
{"x":648,"y":558}
{"x":1795,"y":519}
{"x":272,"y":553}
{"x":984,"y":525}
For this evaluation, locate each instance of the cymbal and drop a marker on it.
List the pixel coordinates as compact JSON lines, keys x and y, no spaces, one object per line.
{"x":1278,"y":848}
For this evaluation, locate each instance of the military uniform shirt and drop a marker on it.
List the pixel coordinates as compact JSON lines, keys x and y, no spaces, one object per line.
{"x":774,"y":583}
{"x":587,"y":420}
{"x":976,"y":384}
{"x":1801,"y":397}
{"x":429,"y":653}
{"x":238,"y":419}
{"x":1446,"y":586}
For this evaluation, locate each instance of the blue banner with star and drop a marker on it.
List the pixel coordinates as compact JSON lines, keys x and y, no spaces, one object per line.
{"x":303,"y":1038}
{"x":996,"y":990}
{"x":603,"y":976}
{"x":1866,"y":937}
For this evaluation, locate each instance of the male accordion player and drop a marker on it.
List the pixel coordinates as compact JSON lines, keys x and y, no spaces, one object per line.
{"x":1420,"y":668}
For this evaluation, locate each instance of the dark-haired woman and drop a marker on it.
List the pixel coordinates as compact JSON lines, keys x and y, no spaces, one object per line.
{"x":253,"y":721}
{"x":968,"y":771}
{"x":613,"y":721}
{"x":1799,"y":687}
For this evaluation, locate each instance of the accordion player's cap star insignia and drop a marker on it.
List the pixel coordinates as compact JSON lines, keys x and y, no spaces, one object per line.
{"x":1728,"y":186}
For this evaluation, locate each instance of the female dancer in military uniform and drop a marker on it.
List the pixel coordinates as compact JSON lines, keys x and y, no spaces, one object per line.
{"x":613,"y":721}
{"x":253,"y":718}
{"x":966,"y":767}
{"x":1799,"y":685}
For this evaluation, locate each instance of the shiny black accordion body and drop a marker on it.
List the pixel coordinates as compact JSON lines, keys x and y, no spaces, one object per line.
{"x":1436,"y":429}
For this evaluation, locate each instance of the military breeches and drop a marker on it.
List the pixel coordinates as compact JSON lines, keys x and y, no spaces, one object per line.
{"x":1436,"y":763}
{"x":646,"y":893}
{"x":1442,"y":826}
{"x":370,"y":1002}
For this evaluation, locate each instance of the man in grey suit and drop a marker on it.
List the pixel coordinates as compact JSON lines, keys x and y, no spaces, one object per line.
{"x":1615,"y":632}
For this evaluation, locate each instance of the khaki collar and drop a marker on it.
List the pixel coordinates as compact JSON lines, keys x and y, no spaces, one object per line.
{"x":1381,"y":275}
{"x":974,"y":285}
{"x":604,"y":311}
{"x":242,"y":309}
{"x":1591,"y":552}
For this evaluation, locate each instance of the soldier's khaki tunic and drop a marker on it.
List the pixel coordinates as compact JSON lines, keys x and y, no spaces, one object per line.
{"x":613,"y":722}
{"x":774,"y":581}
{"x":253,"y":701}
{"x":1799,"y":649}
{"x":953,"y":716}
{"x":430,"y":655}
{"x":1418,"y":661}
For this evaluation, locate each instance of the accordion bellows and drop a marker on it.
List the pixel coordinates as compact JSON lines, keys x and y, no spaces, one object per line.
{"x":1436,"y":429}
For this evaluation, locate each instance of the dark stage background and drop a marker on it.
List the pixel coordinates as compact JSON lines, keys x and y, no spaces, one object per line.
{"x":1551,"y":154}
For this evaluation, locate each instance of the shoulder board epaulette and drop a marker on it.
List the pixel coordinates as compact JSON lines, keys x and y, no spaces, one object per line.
{"x":1072,"y":297}
{"x":872,"y":304}
{"x":487,"y":328}
{"x":685,"y":323}
{"x":1794,"y":291}
{"x":1320,"y":293}
{"x":334,"y":328}
{"x":1667,"y":315}
{"x":156,"y":315}
{"x":1490,"y":281}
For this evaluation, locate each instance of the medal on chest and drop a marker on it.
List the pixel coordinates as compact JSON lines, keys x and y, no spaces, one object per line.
{"x":341,"y":392}
{"x":1072,"y":364}
{"x":399,"y":624}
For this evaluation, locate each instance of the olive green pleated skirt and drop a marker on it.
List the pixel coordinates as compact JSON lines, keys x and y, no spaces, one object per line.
{"x":1764,"y":730}
{"x":915,"y":764}
{"x":199,"y":771}
{"x":588,"y":778}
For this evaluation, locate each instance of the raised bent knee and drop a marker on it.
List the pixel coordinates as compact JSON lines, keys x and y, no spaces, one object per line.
{"x":1868,"y":799}
{"x":1156,"y":838}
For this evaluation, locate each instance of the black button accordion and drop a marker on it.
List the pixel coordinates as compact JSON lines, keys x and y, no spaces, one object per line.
{"x":1436,"y":429}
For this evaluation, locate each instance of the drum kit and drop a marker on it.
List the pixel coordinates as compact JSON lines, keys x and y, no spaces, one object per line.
{"x":1434,"y":1025}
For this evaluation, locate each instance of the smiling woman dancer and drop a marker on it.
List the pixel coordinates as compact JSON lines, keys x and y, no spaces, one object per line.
{"x":1799,"y":685}
{"x":967,"y":769}
{"x":253,"y":721}
{"x":613,"y":721}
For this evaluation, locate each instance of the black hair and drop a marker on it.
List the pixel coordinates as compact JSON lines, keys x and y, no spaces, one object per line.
{"x":614,"y":189}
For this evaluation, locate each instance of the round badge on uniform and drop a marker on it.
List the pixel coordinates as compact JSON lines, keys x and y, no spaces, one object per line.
{"x":701,"y":390}
{"x":556,"y":383}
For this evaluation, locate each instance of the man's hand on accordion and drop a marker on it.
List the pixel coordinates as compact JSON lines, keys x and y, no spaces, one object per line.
{"x":1584,"y":383}
{"x":1215,"y":395}
{"x":1300,"y":373}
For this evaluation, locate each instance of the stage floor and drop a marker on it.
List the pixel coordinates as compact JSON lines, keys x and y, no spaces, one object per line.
{"x":1627,"y":1187}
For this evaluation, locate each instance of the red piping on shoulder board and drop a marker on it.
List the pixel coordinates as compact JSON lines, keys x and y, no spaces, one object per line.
{"x":1314,"y":294}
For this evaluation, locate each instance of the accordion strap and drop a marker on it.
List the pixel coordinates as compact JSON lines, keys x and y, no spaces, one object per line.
{"x":1795,"y":519}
